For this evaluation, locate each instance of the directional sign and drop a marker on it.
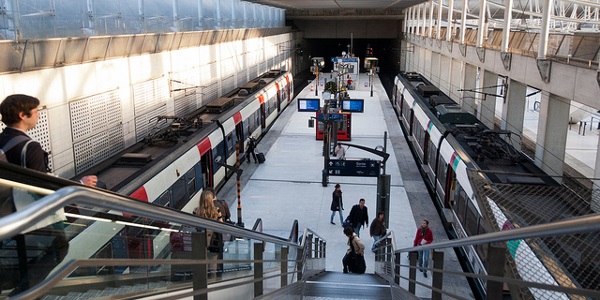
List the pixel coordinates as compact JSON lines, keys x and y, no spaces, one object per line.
{"x":351,"y":167}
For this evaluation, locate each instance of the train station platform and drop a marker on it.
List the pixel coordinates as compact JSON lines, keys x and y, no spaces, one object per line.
{"x":288,"y":186}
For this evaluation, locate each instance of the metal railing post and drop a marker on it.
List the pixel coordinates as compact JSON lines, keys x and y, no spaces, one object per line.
{"x":437,"y":274}
{"x":258,"y":269}
{"x":496,"y":259}
{"x":397,"y":268}
{"x":200,"y":272}
{"x":412,"y":273}
{"x":284,"y":265}
{"x":299,"y":265}
{"x":324,"y":248}
{"x":317,"y":251}
{"x":309,"y":246}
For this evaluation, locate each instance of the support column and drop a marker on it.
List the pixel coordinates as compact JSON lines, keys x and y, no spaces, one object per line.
{"x":449,"y":20}
{"x":470,"y":83}
{"x":513,"y":112}
{"x":405,"y":20}
{"x":434,"y":66}
{"x":463,"y":21}
{"x":487,"y":105}
{"x":423,"y":19}
{"x":596,"y":183}
{"x":552,"y":133}
{"x":445,"y":74}
{"x":438,"y":27}
{"x":419,"y":19}
{"x":431,"y":5}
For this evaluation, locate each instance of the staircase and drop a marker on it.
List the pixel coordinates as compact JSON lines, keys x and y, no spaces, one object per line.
{"x":337,"y":285}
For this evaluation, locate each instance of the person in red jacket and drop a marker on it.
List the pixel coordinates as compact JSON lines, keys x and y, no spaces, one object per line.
{"x":424,"y":236}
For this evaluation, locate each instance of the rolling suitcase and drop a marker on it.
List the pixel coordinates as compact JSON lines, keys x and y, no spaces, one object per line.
{"x":261,"y":157}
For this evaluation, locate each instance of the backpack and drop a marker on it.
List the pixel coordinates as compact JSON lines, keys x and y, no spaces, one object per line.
{"x":12,"y":143}
{"x":6,"y":203}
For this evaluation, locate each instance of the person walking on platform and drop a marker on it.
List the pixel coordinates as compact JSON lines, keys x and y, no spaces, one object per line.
{"x":340,"y":152}
{"x":337,"y":204}
{"x":377,"y":229}
{"x":424,"y":236}
{"x":48,"y":241}
{"x":354,"y":260}
{"x":359,"y":216}
{"x":250,"y":147}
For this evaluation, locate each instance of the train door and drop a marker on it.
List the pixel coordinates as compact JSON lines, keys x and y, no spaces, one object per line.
{"x":450,"y":187}
{"x":241,"y":136}
{"x":206,"y":168}
{"x":278,"y":98}
{"x":263,"y":116}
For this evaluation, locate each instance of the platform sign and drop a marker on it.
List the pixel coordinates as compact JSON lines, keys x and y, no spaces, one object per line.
{"x":353,"y":105}
{"x":311,"y":105}
{"x":350,"y":167}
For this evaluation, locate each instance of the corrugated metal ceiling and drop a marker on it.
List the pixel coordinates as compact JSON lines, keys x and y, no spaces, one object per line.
{"x":335,"y":4}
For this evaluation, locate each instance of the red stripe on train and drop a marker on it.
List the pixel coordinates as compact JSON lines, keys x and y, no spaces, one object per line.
{"x":140,"y":194}
{"x":237,"y":118}
{"x":204,"y":146}
{"x":261,"y":98}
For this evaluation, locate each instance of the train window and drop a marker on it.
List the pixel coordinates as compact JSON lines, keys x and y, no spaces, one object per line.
{"x":178,"y":191}
{"x":406,"y":111}
{"x":461,"y":205}
{"x":199,"y":176}
{"x":164,"y":199}
{"x":432,"y":152}
{"x":471,"y":219}
{"x":442,"y":171}
{"x":190,"y":178}
{"x":230,"y":143}
{"x":480,"y":248}
{"x":274,"y":102}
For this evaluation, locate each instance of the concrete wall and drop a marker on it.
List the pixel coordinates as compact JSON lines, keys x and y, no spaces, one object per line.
{"x":58,"y":87}
{"x":341,"y":29}
{"x":567,"y":81}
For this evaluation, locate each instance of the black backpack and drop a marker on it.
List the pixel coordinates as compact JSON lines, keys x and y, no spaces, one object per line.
{"x":11,"y":143}
{"x":6,"y":203}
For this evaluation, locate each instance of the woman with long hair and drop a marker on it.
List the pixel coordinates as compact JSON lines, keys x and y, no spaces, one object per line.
{"x":207,"y":209}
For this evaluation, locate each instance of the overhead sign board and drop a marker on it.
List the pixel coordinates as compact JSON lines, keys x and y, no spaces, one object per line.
{"x":353,"y":105}
{"x":311,"y":104}
{"x":352,"y":167}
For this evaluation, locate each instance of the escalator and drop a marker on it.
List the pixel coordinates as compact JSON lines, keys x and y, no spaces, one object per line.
{"x":141,"y":257}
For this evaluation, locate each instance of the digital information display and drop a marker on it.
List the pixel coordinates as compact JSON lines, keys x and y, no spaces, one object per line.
{"x":353,"y":105}
{"x":311,"y":105}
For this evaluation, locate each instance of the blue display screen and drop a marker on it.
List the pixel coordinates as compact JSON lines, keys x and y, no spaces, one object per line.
{"x":308,"y":104}
{"x":353,"y":105}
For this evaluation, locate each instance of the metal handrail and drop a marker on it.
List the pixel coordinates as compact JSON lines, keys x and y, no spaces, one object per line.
{"x":576,"y":225}
{"x":15,"y":223}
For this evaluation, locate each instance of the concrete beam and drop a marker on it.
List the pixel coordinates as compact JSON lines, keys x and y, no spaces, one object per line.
{"x":568,"y":81}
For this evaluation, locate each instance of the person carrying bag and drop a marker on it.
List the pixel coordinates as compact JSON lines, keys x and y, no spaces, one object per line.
{"x":354,"y":260}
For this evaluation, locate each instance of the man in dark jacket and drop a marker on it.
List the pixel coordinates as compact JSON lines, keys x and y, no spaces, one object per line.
{"x":20,"y":114}
{"x":377,"y":229}
{"x":359,"y":216}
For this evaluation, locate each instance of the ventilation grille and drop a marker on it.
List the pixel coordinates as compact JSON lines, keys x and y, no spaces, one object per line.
{"x":97,"y":148}
{"x":96,"y":128}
